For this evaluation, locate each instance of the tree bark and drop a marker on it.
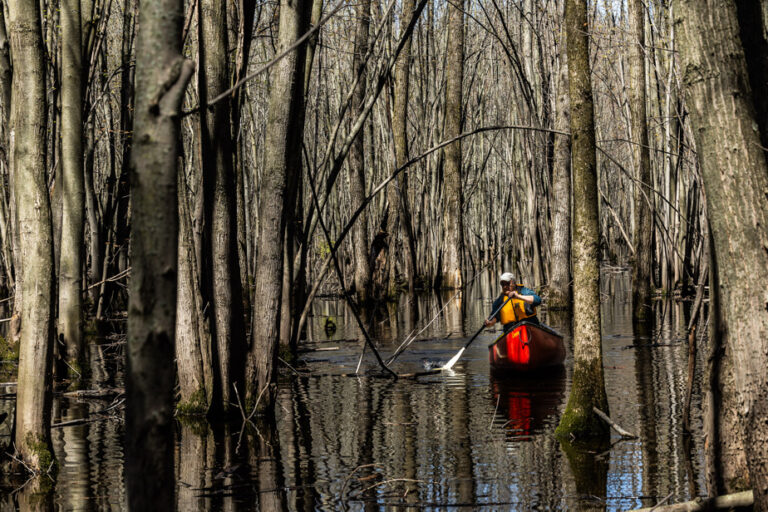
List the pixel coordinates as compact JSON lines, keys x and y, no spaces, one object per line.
{"x":643,"y":187}
{"x":70,"y":325}
{"x":397,"y":192}
{"x":588,"y":390}
{"x":360,"y":244}
{"x":33,"y":210}
{"x":735,"y":177}
{"x":560,"y":280}
{"x":286,"y":105}
{"x":220,"y":193}
{"x":453,"y":222}
{"x":161,"y":78}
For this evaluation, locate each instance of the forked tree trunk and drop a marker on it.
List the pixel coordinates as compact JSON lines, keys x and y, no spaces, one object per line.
{"x":33,"y":210}
{"x":735,"y":177}
{"x":70,"y":329}
{"x":161,"y":78}
{"x":453,"y":224}
{"x":588,"y":388}
{"x":286,"y":104}
{"x":643,"y":187}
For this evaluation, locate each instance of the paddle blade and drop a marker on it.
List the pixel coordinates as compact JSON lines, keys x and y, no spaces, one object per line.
{"x":453,"y":360}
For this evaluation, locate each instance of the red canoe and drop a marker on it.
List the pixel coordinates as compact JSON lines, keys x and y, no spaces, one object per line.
{"x":526,"y":348}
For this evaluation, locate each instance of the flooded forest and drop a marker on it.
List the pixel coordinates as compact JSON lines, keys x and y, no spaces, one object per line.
{"x":358,"y":255}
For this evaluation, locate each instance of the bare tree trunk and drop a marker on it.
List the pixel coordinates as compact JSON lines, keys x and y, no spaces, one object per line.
{"x":70,"y":329}
{"x":286,"y":105}
{"x":360,"y":244}
{"x":641,"y":271}
{"x":193,"y":338}
{"x":5,"y":71}
{"x":220,"y":193}
{"x":453,"y":222}
{"x":33,"y":210}
{"x":735,"y":177}
{"x":588,"y":388}
{"x":560,"y":281}
{"x":161,"y":78}
{"x":397,"y":193}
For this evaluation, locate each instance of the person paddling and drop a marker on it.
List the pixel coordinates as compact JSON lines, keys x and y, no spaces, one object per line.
{"x":522,"y":305}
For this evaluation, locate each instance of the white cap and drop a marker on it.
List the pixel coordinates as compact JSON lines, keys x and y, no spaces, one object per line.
{"x":507,"y":277}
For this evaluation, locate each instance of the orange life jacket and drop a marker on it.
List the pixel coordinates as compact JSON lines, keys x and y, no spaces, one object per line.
{"x":516,"y":310}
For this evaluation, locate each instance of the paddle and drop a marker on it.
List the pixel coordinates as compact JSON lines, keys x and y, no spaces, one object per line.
{"x":455,"y":358}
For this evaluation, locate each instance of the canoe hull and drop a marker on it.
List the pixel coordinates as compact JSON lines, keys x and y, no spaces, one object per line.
{"x":526,"y":348}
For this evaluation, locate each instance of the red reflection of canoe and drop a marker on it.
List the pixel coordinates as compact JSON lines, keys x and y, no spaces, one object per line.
{"x":527,"y":347}
{"x":528,"y":402}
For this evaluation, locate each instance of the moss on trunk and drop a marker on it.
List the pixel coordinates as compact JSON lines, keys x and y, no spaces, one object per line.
{"x":588,"y":390}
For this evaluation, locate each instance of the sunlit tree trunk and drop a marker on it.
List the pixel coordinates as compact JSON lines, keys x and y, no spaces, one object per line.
{"x":735,"y":174}
{"x":453,"y":222}
{"x":641,"y":271}
{"x":220,"y":196}
{"x":70,"y":325}
{"x":588,"y":388}
{"x":286,"y":104}
{"x":161,"y":78}
{"x":560,"y":282}
{"x":33,"y":210}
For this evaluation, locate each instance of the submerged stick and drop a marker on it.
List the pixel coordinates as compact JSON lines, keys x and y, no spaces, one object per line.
{"x":725,"y":502}
{"x":623,"y":433}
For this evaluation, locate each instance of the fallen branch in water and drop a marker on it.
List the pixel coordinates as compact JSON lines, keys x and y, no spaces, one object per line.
{"x":623,"y":433}
{"x":95,"y":393}
{"x":725,"y":502}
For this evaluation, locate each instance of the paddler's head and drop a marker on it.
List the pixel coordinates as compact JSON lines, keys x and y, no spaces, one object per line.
{"x":506,"y":281}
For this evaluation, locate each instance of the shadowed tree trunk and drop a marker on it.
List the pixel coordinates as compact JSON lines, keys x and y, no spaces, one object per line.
{"x":73,"y":190}
{"x":33,"y":211}
{"x":161,"y":78}
{"x":453,"y":224}
{"x":735,"y":174}
{"x":643,"y":195}
{"x":362,"y":273}
{"x":220,"y":201}
{"x":397,"y":192}
{"x":560,"y":282}
{"x":286,"y":104}
{"x":588,"y":388}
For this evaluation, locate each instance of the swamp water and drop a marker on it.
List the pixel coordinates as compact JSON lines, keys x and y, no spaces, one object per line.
{"x":463,"y":440}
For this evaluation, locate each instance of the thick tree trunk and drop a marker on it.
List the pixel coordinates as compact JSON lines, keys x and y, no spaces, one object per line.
{"x":286,"y":104}
{"x":360,"y":244}
{"x":453,"y":222}
{"x":70,"y":329}
{"x":27,"y":141}
{"x":643,"y":187}
{"x":735,"y":177}
{"x":161,"y":78}
{"x":588,"y":388}
{"x":220,"y":193}
{"x":560,"y":281}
